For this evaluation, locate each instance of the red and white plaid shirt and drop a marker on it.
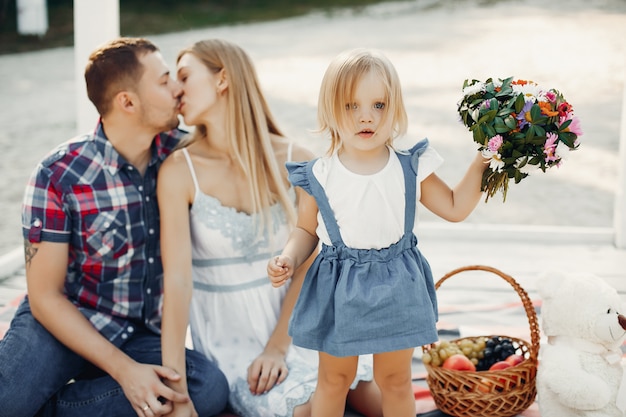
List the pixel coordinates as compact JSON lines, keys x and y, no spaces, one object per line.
{"x":86,"y":194}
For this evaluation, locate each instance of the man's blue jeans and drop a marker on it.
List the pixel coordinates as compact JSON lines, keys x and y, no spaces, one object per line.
{"x":35,"y":369}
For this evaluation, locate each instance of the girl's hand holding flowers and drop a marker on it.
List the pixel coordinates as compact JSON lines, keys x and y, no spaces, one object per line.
{"x":520,"y":127}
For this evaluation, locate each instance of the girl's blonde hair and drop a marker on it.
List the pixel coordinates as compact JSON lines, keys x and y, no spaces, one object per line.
{"x":339,"y":85}
{"x":248,"y":126}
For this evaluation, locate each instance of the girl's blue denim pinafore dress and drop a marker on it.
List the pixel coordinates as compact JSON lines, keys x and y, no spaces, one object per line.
{"x":362,"y":301}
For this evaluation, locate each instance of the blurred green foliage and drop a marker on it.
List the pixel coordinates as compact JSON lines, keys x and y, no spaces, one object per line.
{"x":142,"y":18}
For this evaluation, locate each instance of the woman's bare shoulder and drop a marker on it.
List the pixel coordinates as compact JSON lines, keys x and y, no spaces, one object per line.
{"x":174,"y":161}
{"x":298,"y":151}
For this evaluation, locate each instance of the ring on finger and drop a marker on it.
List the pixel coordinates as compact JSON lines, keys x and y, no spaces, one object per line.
{"x":145,"y":407}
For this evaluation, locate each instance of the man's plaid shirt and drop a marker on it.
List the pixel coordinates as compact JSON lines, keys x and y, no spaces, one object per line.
{"x":86,"y":194}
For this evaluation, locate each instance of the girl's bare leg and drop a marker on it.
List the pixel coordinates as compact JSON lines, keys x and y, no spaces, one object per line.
{"x":335,"y":376}
{"x":364,"y":399}
{"x":392,"y":373}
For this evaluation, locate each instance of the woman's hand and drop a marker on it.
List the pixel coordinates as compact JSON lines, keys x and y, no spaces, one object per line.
{"x":266,"y":371}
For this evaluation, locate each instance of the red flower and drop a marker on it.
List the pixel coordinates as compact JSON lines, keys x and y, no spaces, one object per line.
{"x":565,"y":109}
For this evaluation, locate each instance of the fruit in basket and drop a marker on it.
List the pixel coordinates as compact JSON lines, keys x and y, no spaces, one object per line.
{"x":499,"y":365}
{"x":459,"y":362}
{"x":481,"y":394}
{"x":515,"y":359}
{"x":483,"y":352}
{"x":497,"y":348}
{"x":471,"y":348}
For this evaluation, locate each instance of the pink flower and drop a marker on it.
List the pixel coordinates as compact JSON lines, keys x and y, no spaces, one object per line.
{"x":549,"y":148}
{"x":573,"y":127}
{"x":551,"y":96}
{"x":495,"y":143}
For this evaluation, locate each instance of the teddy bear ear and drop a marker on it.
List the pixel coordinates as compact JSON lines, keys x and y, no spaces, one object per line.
{"x":549,"y":282}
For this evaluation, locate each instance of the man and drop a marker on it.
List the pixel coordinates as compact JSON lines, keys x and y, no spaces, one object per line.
{"x":86,"y":339}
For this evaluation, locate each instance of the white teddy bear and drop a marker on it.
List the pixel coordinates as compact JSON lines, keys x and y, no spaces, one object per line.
{"x":581,"y":372}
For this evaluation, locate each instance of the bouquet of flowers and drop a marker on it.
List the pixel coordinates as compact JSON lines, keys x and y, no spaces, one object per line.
{"x":520,"y":127}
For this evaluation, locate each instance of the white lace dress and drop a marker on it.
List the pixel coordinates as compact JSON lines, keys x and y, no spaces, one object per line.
{"x":234,"y":307}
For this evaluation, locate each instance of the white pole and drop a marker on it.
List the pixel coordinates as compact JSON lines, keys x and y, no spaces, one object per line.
{"x":619,"y":216}
{"x":32,"y":17}
{"x":95,"y":22}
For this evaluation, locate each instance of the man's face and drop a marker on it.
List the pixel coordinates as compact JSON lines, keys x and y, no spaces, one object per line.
{"x":158,"y":93}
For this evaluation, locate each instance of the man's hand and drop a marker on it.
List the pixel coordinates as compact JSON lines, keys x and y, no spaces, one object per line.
{"x":183,"y":410}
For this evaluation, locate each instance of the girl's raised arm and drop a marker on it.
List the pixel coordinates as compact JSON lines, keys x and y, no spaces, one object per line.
{"x":454,"y":204}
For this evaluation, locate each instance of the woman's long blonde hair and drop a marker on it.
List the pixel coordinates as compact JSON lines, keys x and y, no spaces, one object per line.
{"x":339,"y":84}
{"x":248,"y":126}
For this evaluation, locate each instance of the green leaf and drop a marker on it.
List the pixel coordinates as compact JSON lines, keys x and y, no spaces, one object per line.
{"x":507,"y":82}
{"x":537,"y":140}
{"x":489,"y":130}
{"x":488,"y":117}
{"x":565,"y":125}
{"x":501,"y":128}
{"x":540,"y":130}
{"x":479,"y":136}
{"x":511,"y":122}
{"x":535,"y":113}
{"x":519,"y":103}
{"x":510,"y":172}
{"x":568,"y":138}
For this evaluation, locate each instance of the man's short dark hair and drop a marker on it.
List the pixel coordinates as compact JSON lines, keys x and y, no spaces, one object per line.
{"x":115,"y":67}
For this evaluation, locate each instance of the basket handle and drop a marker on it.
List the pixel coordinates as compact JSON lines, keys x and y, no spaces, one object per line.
{"x":528,"y":305}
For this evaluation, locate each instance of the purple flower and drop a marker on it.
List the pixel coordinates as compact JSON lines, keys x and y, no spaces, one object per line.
{"x":523,"y":117}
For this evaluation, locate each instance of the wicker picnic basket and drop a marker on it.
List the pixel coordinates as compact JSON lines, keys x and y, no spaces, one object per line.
{"x":499,"y":393}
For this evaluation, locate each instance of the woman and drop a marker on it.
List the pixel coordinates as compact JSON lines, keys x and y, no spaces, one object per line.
{"x":226,"y":206}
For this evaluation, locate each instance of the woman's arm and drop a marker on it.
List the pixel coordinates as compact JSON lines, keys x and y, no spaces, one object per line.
{"x":269,"y":368}
{"x":174,"y":193}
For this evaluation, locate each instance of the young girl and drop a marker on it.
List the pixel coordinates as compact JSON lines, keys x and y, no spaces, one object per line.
{"x":369,"y":290}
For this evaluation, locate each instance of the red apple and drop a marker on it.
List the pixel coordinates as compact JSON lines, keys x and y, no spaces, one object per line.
{"x":503,"y":365}
{"x":459,"y":362}
{"x":514,"y":359}
{"x":499,"y":365}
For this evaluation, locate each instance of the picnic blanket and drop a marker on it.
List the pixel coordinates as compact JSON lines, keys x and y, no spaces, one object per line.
{"x":458,"y":318}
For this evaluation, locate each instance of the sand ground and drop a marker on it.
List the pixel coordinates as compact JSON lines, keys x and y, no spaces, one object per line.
{"x":576,"y":46}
